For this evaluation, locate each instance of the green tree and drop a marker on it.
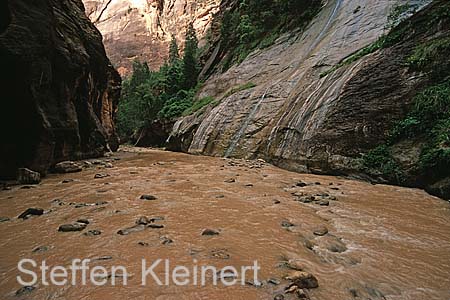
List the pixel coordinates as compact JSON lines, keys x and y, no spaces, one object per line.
{"x":174,"y":54}
{"x":190,"y":59}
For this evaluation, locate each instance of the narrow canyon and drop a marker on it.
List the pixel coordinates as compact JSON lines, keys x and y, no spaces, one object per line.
{"x":225,"y":149}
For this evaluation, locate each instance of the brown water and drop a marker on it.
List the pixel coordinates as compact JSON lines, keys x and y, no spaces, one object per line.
{"x":397,"y":239}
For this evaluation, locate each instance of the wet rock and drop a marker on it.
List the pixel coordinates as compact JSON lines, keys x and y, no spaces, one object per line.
{"x":306,"y":199}
{"x":301,"y":184}
{"x":58,"y":202}
{"x":165,"y":240}
{"x":26,"y":187}
{"x":100,"y":175}
{"x":103,"y":258}
{"x":286,"y":224}
{"x":27,"y":176}
{"x":231,"y":180}
{"x":40,"y":249}
{"x":130,"y":230}
{"x":148,"y":197}
{"x":274,"y":281}
{"x":84,"y":221}
{"x":308,"y":244}
{"x":334,"y":244}
{"x":93,"y":232}
{"x":156,"y":219}
{"x":155,"y":226}
{"x":67,"y":167}
{"x":25,"y":290}
{"x":31,"y":212}
{"x":220,"y":254}
{"x":302,"y":294}
{"x":210,"y":232}
{"x":4,"y":219}
{"x":256,"y":284}
{"x":294,"y":265}
{"x":142,"y":221}
{"x":323,"y":203}
{"x":108,"y":165}
{"x":303,"y":280}
{"x":320,"y":231}
{"x":72,"y":227}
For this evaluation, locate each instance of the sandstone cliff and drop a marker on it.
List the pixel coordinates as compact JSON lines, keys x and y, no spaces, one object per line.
{"x":142,"y":29}
{"x":300,"y":120}
{"x":59,"y":90}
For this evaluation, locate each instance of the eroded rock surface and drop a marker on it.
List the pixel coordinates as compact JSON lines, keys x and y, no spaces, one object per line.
{"x":59,"y":90}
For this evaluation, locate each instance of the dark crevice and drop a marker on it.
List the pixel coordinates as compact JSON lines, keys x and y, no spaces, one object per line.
{"x":19,"y":119}
{"x":5,"y":16}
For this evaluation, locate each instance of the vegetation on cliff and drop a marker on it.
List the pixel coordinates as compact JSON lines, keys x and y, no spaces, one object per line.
{"x":252,"y":24}
{"x":428,"y":121}
{"x":164,"y":94}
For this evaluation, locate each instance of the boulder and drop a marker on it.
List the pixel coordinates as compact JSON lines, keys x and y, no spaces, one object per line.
{"x":67,"y":167}
{"x":303,"y":280}
{"x":31,"y":212}
{"x":27,"y":176}
{"x":72,"y":227}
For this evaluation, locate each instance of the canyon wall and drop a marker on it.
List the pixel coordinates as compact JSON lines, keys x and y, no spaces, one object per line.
{"x":59,"y":90}
{"x":302,"y":121}
{"x":142,"y":29}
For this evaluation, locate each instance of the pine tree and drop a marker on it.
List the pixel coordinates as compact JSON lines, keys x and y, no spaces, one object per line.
{"x":190,"y":60}
{"x":173,"y":51}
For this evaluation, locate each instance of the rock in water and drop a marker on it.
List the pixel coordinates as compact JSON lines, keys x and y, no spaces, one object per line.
{"x":67,"y":167}
{"x":61,"y":91}
{"x":72,"y":227}
{"x":26,"y":176}
{"x":210,"y":232}
{"x":148,"y":197}
{"x":132,"y":229}
{"x":25,"y":290}
{"x":93,"y":232}
{"x":31,"y":212}
{"x":320,"y":231}
{"x":303,"y":280}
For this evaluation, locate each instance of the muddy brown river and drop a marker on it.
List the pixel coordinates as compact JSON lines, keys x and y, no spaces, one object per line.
{"x":383,"y":242}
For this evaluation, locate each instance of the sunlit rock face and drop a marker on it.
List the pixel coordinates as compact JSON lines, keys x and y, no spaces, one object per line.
{"x":142,"y":29}
{"x":300,"y":120}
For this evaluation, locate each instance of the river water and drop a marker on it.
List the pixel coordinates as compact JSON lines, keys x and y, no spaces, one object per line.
{"x":383,"y":242}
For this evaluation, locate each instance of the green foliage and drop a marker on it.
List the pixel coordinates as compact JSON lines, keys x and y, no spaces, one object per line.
{"x":432,"y":57}
{"x":174,"y":54}
{"x":239,"y":88}
{"x":164,"y":94}
{"x":257,"y":23}
{"x":190,"y":59}
{"x":381,"y":160}
{"x":428,"y":120}
{"x":199,"y":104}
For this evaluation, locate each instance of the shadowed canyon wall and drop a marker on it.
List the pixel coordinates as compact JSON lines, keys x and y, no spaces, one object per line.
{"x":142,"y":29}
{"x":59,"y":90}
